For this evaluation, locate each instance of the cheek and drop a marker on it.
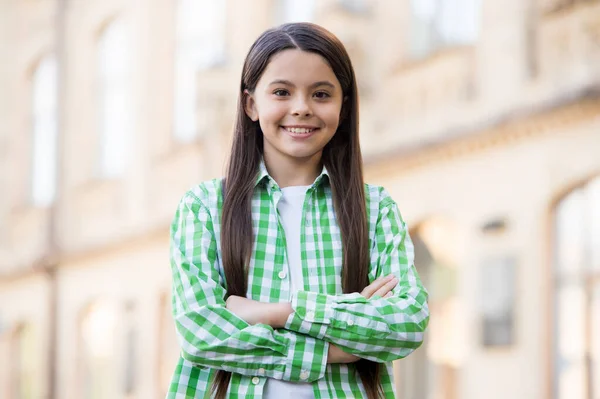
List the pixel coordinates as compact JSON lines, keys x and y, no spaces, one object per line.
{"x":271,"y":112}
{"x":332,"y":116}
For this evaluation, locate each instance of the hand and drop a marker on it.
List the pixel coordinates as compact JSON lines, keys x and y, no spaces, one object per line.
{"x":382,"y":286}
{"x":255,"y":312}
{"x":336,"y":355}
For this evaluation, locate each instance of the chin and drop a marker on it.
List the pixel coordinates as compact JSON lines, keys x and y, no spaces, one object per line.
{"x":304,"y":154}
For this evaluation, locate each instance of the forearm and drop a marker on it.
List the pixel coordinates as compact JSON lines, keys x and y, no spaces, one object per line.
{"x":276,"y":315}
{"x":379,"y":329}
{"x":256,"y":312}
{"x":251,"y":350}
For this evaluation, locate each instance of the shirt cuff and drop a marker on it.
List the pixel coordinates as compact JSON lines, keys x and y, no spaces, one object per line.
{"x":312,"y":313}
{"x":307,"y":360}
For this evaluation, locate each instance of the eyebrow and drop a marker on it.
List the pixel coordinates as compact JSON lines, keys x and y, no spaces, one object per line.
{"x":316,"y":84}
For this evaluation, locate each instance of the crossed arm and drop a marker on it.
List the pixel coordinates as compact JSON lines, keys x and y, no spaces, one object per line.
{"x":277,"y":314}
{"x":292,"y":341}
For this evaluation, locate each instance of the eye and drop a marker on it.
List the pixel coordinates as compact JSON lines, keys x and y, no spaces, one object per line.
{"x":322,"y":95}
{"x":281,"y":92}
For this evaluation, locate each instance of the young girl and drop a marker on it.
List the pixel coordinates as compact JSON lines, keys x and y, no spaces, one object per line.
{"x":291,"y":276}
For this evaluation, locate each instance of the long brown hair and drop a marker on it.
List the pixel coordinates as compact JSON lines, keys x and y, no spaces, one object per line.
{"x":341,"y":156}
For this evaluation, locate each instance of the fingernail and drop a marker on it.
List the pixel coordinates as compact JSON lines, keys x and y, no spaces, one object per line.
{"x":395,"y":280}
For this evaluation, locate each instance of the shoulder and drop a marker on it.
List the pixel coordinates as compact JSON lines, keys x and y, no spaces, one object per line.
{"x":378,"y":197}
{"x":203,"y":195}
{"x":381,"y":206}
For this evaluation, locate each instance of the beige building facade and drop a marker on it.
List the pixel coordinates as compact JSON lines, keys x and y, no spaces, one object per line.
{"x":482,"y":118}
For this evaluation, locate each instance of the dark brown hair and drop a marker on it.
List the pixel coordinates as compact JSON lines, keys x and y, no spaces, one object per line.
{"x":341,"y":156}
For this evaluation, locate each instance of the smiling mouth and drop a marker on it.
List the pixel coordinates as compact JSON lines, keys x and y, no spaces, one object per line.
{"x":299,"y":130}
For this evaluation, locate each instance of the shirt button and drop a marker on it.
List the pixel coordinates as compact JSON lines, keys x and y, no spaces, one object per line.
{"x":304,"y":375}
{"x":282,"y":274}
{"x":350,"y":322}
{"x":255,"y":380}
{"x":261,"y":371}
{"x":310,"y":316}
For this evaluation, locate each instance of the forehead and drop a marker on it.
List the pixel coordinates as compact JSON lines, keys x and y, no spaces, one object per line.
{"x":301,"y":68}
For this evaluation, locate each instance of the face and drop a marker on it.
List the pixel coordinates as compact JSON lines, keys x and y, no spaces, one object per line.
{"x":297,"y":102}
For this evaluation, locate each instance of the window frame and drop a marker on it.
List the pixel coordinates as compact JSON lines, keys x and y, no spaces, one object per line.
{"x":433,"y":21}
{"x":586,"y":279}
{"x":191,"y":57}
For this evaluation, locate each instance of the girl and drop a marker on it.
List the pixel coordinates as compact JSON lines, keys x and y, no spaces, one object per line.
{"x":291,"y":276}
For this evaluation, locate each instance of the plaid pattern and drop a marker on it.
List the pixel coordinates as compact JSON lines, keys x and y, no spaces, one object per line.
{"x":211,"y":337}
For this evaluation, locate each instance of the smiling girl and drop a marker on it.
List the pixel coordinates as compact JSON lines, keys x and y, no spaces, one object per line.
{"x":291,"y":276}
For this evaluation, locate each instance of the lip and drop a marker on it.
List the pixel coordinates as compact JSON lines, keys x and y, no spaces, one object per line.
{"x":300,"y":126}
{"x":300,"y":135}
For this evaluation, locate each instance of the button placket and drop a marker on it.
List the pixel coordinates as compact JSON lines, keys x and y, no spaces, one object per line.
{"x":276,"y":195}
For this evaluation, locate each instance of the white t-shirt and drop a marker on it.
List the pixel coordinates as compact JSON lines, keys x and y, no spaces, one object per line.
{"x":290,"y":212}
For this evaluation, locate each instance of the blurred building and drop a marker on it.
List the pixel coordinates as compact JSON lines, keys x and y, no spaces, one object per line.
{"x":481,"y":117}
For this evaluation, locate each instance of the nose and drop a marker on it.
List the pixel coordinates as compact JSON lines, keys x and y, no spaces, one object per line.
{"x":301,"y":108}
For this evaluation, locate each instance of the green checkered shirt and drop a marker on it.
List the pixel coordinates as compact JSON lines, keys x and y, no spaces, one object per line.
{"x":211,"y":337}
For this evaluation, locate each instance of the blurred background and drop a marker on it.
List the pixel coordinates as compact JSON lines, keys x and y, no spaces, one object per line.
{"x":481,"y":117}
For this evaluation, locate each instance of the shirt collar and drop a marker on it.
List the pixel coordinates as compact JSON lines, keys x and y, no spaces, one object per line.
{"x":264,"y":174}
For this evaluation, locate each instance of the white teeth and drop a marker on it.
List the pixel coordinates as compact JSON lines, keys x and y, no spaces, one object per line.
{"x":298,"y":130}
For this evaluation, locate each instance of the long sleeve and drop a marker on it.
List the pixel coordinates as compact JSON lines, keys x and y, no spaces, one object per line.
{"x":212,"y":336}
{"x":377,"y":329}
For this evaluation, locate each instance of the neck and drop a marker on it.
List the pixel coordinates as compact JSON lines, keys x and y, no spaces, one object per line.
{"x":287,"y":171}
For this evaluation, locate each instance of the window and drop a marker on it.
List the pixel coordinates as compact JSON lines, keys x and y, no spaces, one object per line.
{"x":497,"y":304}
{"x":98,"y":349}
{"x":200,"y":34}
{"x":24,"y":381}
{"x":44,"y":129}
{"x":115,"y":99}
{"x":576,"y":345}
{"x":354,"y":5}
{"x":297,"y":11}
{"x":441,"y":23}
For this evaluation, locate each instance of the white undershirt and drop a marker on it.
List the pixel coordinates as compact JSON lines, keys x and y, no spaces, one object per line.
{"x":290,"y":213}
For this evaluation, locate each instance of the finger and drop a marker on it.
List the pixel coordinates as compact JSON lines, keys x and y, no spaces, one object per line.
{"x":374,"y":286}
{"x":371,"y":288}
{"x":389,"y":294}
{"x":387,"y":287}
